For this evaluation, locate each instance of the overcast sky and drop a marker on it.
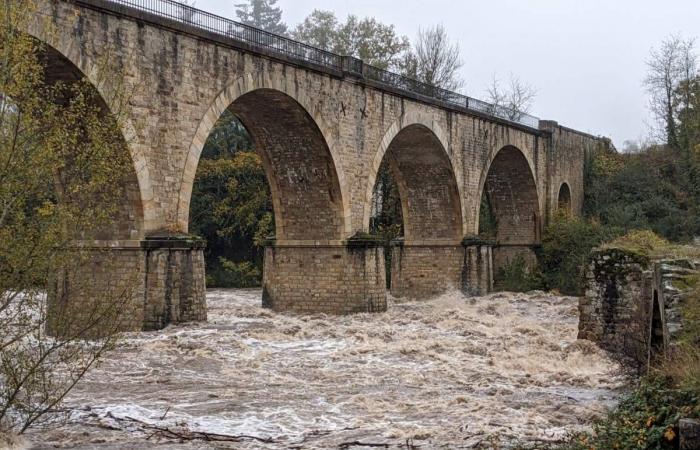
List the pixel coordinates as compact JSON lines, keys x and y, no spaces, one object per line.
{"x":585,"y":58}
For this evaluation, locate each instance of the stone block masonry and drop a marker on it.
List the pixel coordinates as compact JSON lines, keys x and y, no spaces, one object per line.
{"x":333,"y":279}
{"x":633,"y":304}
{"x":143,"y":285}
{"x":322,"y":134}
{"x":426,"y":270}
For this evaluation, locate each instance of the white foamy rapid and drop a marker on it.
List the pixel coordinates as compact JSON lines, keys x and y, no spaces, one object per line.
{"x":443,"y":373}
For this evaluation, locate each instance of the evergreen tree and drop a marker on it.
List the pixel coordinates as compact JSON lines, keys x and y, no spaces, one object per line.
{"x":262,"y":14}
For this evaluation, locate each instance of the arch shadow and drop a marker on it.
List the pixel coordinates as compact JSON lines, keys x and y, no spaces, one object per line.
{"x":307,"y":188}
{"x":415,"y":149}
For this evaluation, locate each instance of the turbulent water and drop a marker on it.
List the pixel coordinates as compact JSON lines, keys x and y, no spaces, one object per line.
{"x":454,"y":372}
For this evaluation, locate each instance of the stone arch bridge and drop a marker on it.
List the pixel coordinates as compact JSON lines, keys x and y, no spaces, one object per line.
{"x":322,"y":124}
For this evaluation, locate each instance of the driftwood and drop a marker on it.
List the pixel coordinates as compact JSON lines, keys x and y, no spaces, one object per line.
{"x":346,"y":445}
{"x":188,"y":435}
{"x":184,"y":434}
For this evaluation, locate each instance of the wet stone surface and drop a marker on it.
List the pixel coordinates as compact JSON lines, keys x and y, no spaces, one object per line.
{"x":448,"y":373}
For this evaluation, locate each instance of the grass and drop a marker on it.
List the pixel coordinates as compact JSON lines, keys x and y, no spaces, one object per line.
{"x":648,"y":244}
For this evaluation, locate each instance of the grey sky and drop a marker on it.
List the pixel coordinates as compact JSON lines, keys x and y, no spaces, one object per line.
{"x":586,"y":58}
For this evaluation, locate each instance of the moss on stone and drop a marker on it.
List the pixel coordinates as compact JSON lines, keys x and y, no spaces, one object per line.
{"x":686,"y":282}
{"x":649,"y":245}
{"x":617,"y":263}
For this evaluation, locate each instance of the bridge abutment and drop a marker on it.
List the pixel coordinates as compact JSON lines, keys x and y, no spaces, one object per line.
{"x":342,"y":278}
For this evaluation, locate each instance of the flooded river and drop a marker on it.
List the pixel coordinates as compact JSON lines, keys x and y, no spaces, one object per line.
{"x":453,"y":372}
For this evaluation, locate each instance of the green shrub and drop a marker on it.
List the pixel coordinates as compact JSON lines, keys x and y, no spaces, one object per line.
{"x":233,"y":274}
{"x":517,"y":276}
{"x":566,"y":245}
{"x":646,"y":418}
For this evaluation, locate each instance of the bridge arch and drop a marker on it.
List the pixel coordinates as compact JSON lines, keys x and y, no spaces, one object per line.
{"x":129,"y":220}
{"x":510,"y":185}
{"x":564,"y":198}
{"x":65,"y":61}
{"x":416,"y":150}
{"x":301,"y":167}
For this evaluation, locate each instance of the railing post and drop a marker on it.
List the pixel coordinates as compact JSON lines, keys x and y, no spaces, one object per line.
{"x":353,"y":66}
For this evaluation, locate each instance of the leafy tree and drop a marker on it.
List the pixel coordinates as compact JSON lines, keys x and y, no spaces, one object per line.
{"x":368,"y":39}
{"x":262,"y":14}
{"x":687,"y":99}
{"x":231,"y":206}
{"x":670,"y":67}
{"x":386,"y":220}
{"x":320,"y":29}
{"x":488,"y":224}
{"x":566,"y":244}
{"x":227,"y":138}
{"x":61,"y":179}
{"x":651,"y":189}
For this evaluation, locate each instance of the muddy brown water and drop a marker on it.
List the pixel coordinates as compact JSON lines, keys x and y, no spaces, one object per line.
{"x":453,"y":372}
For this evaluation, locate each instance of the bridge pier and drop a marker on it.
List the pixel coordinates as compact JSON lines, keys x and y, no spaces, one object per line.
{"x":424,"y":270}
{"x":341,"y":278}
{"x":128,"y":285}
{"x":503,"y":254}
{"x":477,"y":278}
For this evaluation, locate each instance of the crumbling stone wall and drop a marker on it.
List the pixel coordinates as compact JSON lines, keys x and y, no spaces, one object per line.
{"x":633,"y":304}
{"x":614,"y":310}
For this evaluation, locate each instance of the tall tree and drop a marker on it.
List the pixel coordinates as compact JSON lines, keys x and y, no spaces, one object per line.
{"x":368,"y":39}
{"x":434,"y":60}
{"x":62,"y":177}
{"x":670,"y":66}
{"x":320,"y":29}
{"x":262,"y":14}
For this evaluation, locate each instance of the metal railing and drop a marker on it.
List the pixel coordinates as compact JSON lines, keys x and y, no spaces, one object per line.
{"x":222,"y":26}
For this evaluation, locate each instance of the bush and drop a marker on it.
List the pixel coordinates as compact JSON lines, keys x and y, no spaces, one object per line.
{"x":566,"y":245}
{"x":654,"y":189}
{"x":230,"y":274}
{"x":647,"y":418}
{"x":517,"y":276}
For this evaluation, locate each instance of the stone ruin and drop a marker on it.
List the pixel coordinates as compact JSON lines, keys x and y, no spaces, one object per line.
{"x":633,"y":302}
{"x":633,"y":307}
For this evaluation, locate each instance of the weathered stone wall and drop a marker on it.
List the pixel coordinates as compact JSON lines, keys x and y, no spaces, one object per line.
{"x":339,"y":279}
{"x":175,"y":287}
{"x":143,"y":285}
{"x":565,"y":163}
{"x":423,"y":271}
{"x":173,"y":110}
{"x":478,"y":267}
{"x":615,"y":308}
{"x":505,"y":254}
{"x":322,"y":135}
{"x":633,"y":305}
{"x":671,"y":285}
